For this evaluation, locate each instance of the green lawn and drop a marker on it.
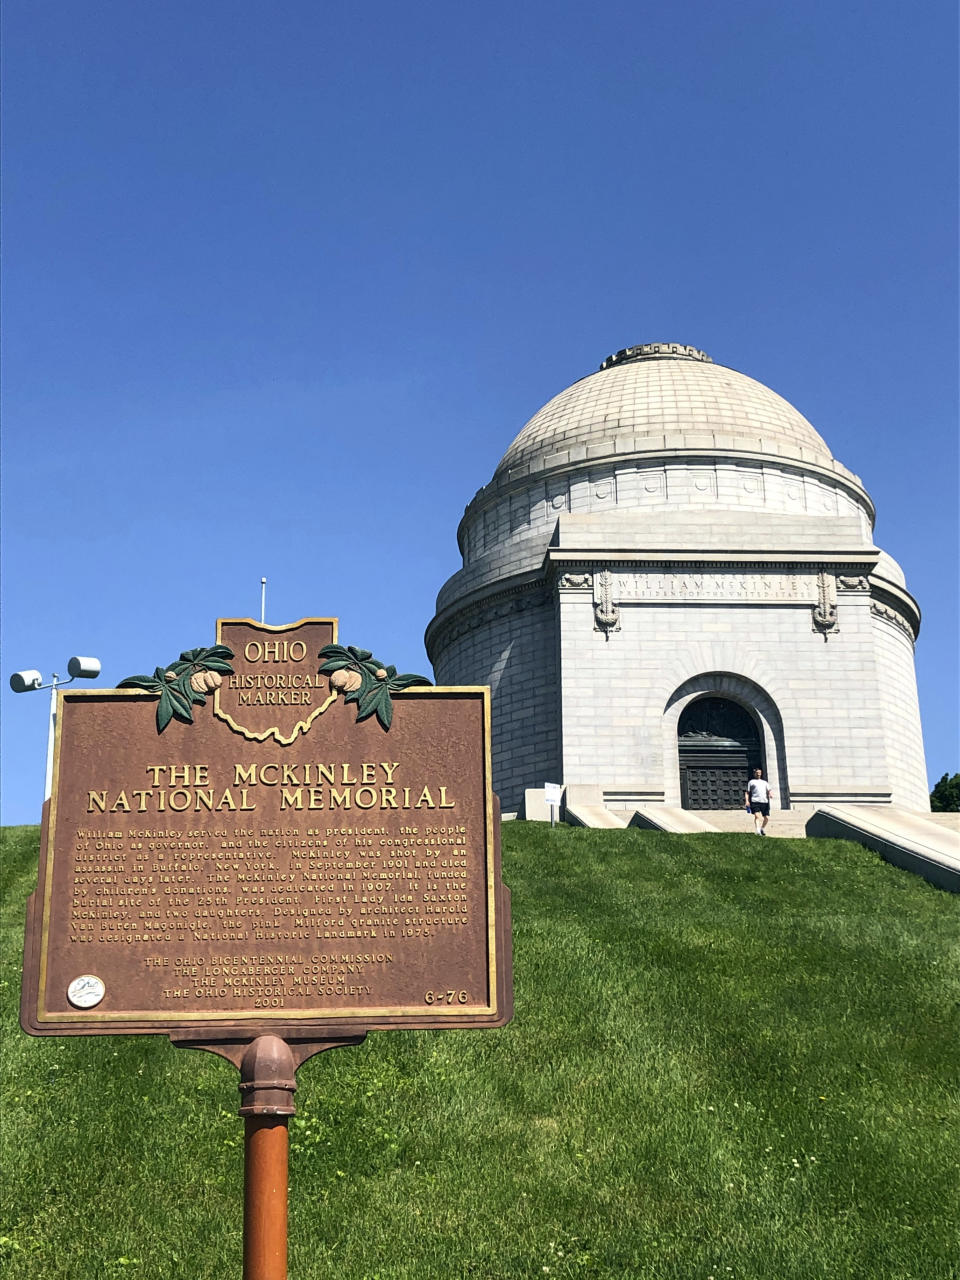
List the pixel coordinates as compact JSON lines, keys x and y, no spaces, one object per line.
{"x":730,"y":1058}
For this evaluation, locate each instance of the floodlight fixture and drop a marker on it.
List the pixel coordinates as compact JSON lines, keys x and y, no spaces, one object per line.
{"x":25,"y":681}
{"x":85,"y":668}
{"x":29,"y":681}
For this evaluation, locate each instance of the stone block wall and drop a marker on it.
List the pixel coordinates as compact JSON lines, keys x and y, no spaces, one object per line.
{"x":900,"y":712}
{"x":837,"y":708}
{"x":512,"y":647}
{"x":616,"y":690}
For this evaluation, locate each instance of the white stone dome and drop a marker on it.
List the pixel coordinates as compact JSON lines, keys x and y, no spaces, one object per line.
{"x":658,"y":438}
{"x":662,"y":396}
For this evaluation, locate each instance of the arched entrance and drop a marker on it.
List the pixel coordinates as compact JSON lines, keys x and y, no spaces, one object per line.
{"x":719,"y":745}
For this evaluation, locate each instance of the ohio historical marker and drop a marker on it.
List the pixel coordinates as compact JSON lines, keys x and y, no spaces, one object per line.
{"x":275,"y":833}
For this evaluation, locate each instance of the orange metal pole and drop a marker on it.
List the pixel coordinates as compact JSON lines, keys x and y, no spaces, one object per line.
{"x":267,"y":1085}
{"x":268,"y":1081}
{"x":265,"y":1198}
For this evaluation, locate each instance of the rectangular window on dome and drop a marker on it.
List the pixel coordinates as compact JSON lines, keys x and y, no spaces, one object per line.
{"x":519,"y":511}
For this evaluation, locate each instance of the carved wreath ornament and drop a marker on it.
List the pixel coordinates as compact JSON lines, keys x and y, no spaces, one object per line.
{"x":355,"y":674}
{"x":184,"y":684}
{"x":359,"y":677}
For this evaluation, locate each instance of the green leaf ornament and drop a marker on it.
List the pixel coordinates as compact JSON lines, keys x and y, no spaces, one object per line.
{"x":176,"y":696}
{"x":373,"y":695}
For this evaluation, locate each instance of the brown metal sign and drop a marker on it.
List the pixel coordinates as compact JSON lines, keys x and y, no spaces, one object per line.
{"x":274,"y":691}
{"x":309,"y":867}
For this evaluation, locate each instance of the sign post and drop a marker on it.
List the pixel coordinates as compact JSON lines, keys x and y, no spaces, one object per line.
{"x":553,"y":794}
{"x":266,"y":849}
{"x":267,"y":1065}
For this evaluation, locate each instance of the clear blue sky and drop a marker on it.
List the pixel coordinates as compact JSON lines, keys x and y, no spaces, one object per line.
{"x":282,"y":282}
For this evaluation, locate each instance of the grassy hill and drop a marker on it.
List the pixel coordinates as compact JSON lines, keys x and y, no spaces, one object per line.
{"x":730,"y":1058}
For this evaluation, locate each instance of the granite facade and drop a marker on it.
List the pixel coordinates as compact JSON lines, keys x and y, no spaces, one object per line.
{"x":621,"y":564}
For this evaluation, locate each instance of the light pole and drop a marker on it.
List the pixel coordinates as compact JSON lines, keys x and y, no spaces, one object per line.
{"x":28,"y":681}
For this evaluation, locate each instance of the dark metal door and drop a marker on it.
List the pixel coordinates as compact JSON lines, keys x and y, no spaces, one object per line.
{"x":719,"y":746}
{"x":712,"y":788}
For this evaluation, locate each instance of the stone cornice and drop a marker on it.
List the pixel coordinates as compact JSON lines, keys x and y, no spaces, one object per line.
{"x":474,"y":609}
{"x":892,"y":602}
{"x":502,"y":485}
{"x":561,"y":568}
{"x":861,"y":559}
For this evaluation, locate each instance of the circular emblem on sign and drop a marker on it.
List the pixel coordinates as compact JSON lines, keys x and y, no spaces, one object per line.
{"x":86,"y":991}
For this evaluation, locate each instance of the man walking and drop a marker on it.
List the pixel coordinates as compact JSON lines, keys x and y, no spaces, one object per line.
{"x":757,"y":799}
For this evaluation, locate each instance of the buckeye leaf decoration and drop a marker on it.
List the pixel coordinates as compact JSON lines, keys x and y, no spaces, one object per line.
{"x":376,"y":682}
{"x":185,"y":683}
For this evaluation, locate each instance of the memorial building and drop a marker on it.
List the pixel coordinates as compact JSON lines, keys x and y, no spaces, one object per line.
{"x":670,"y":580}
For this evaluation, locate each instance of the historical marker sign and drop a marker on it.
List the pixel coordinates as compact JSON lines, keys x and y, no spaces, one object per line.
{"x":275,"y":692}
{"x":274,"y":835}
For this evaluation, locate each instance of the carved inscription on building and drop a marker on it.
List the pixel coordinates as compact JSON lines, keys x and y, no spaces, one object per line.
{"x":722,"y":587}
{"x":201,"y":877}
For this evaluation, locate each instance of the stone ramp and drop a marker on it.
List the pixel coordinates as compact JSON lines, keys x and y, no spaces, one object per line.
{"x":662,"y":817}
{"x":593,"y":815}
{"x":788,"y":823}
{"x":908,"y":840}
{"x":652,"y":817}
{"x":949,"y":820}
{"x":583,"y":807}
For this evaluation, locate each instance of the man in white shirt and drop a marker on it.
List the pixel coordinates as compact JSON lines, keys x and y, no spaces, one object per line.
{"x":757,"y":799}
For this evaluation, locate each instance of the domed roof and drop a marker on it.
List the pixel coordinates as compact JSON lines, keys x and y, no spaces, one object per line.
{"x":662,"y":396}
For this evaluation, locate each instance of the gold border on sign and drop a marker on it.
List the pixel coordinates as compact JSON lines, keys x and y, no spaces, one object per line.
{"x":487,"y":753}
{"x":48,"y":879}
{"x":274,"y":731}
{"x":42,"y":1016}
{"x":491,"y":1007}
